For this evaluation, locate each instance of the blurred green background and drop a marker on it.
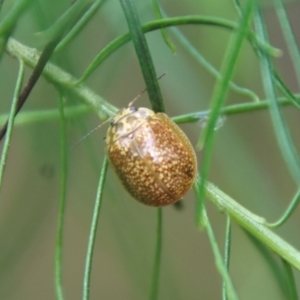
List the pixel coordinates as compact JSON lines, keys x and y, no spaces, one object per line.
{"x":247,"y":165}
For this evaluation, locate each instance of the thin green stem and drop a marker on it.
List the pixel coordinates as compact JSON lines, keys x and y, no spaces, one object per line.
{"x":220,"y":264}
{"x":289,"y":37}
{"x":219,"y":96}
{"x":144,"y":56}
{"x":157,"y":258}
{"x":208,"y":66}
{"x":291,"y":284}
{"x":284,"y":139}
{"x":62,"y":79}
{"x":253,"y":224}
{"x":35,"y":75}
{"x":270,"y":260}
{"x":230,"y":110}
{"x":227,"y":249}
{"x":211,"y":21}
{"x":37,"y":116}
{"x":11,"y":118}
{"x":184,"y":20}
{"x":237,"y":6}
{"x":73,"y":112}
{"x":79,"y":25}
{"x":288,"y":212}
{"x":10,"y":20}
{"x":93,"y":230}
{"x":13,"y":15}
{"x":62,"y":202}
{"x":63,"y":23}
{"x":285,"y":90}
{"x":159,"y":16}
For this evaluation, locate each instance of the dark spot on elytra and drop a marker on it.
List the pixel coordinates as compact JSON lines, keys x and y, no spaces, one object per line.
{"x":189,"y":171}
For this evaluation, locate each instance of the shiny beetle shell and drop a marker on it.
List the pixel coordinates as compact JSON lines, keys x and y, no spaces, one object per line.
{"x":151,"y":155}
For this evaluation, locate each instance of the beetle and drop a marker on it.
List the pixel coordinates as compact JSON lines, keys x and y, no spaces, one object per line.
{"x":151,"y":155}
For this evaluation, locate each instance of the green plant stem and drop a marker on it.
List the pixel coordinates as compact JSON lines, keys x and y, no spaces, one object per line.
{"x":63,"y":23}
{"x":291,"y":284}
{"x":220,"y":264}
{"x":253,"y":224}
{"x":13,"y":15}
{"x":55,"y":34}
{"x":62,"y":202}
{"x":218,"y":99}
{"x":270,"y":260}
{"x":288,"y":212}
{"x":36,"y":116}
{"x":237,"y":6}
{"x":184,"y":20}
{"x":11,"y":118}
{"x":143,"y":54}
{"x":158,"y":14}
{"x":73,"y":112}
{"x":66,"y":81}
{"x":289,"y":37}
{"x":231,"y":110}
{"x":35,"y":75}
{"x":157,"y":257}
{"x":285,"y":90}
{"x":227,"y":253}
{"x":10,"y":20}
{"x":284,"y":138}
{"x":93,"y":230}
{"x":79,"y":25}
{"x":230,"y":291}
{"x":212,"y":21}
{"x":209,"y":67}
{"x":61,"y":78}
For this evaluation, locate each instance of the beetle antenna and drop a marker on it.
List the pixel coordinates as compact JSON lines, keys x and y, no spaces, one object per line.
{"x":137,"y":97}
{"x":89,"y":133}
{"x":143,"y":91}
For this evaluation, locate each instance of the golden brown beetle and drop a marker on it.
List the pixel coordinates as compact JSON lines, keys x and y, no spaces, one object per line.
{"x":151,"y":155}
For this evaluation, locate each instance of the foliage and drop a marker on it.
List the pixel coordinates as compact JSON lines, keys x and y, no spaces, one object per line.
{"x":244,"y":123}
